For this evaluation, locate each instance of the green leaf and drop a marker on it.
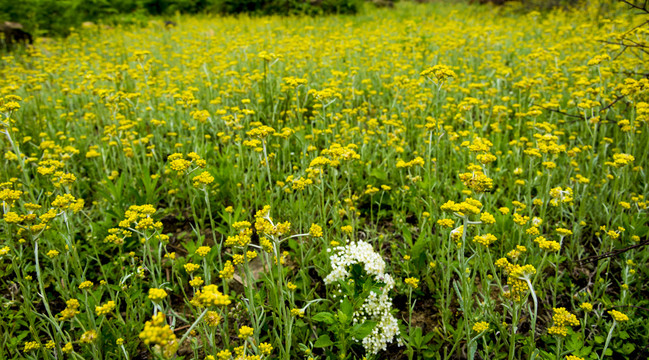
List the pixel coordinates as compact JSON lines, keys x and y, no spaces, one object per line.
{"x":293,"y":244}
{"x":642,"y":231}
{"x":623,"y":335}
{"x":299,"y":323}
{"x":342,"y":317}
{"x":428,"y":337}
{"x":325,"y":317}
{"x":415,"y":332}
{"x":574,"y":341}
{"x":23,"y":335}
{"x":583,"y":352}
{"x":608,"y":352}
{"x":347,"y":308}
{"x":599,"y":339}
{"x":418,"y":248}
{"x":323,"y":341}
{"x":431,"y":354}
{"x":360,"y":331}
{"x":473,"y":347}
{"x":628,"y":348}
{"x":407,"y":236}
{"x":379,"y":174}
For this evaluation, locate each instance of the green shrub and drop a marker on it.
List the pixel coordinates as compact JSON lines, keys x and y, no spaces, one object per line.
{"x":57,"y":17}
{"x":287,"y":7}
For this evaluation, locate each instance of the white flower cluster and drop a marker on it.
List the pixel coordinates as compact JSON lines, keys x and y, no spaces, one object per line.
{"x":377,"y":306}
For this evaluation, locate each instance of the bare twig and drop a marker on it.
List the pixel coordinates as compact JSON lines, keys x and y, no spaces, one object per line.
{"x":624,"y":42}
{"x":612,"y":253}
{"x":642,"y":8}
{"x":633,"y":306}
{"x":582,"y":117}
{"x":631,"y":73}
{"x":182,"y":327}
{"x":564,"y":113}
{"x":617,"y":98}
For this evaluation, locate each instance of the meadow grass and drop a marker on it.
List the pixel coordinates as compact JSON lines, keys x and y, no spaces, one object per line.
{"x":434,"y":181}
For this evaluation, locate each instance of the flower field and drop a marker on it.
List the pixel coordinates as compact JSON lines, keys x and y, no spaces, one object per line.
{"x":434,"y":181}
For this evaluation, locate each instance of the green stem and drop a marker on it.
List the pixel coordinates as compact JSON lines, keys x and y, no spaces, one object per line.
{"x":192,"y":327}
{"x":608,"y":340}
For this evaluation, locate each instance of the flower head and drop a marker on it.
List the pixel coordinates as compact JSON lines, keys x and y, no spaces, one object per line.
{"x":618,"y":316}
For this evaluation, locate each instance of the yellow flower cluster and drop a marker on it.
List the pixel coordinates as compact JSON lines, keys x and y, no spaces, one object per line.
{"x":515,"y":253}
{"x":241,"y":239}
{"x":246,"y":332}
{"x":49,"y":167}
{"x":487,"y":218}
{"x":477,"y":181}
{"x":196,"y":282}
{"x":618,"y":316}
{"x":264,"y":225}
{"x":315,"y":230}
{"x":457,"y":233}
{"x":299,"y":184}
{"x":337,"y":153}
{"x":203,"y":179}
{"x":586,"y":306}
{"x":265,"y":348}
{"x":68,"y":202}
{"x":478,"y":145}
{"x":516,"y":277}
{"x":412,"y":282}
{"x":467,"y":207}
{"x":89,"y":336}
{"x":521,"y":219}
{"x":484,"y":240}
{"x":440,"y":72}
{"x":179,"y":164}
{"x":191,"y":267}
{"x":547,"y":245}
{"x":620,"y":160}
{"x":481,"y":326}
{"x":4,"y":250}
{"x":105,"y":309}
{"x":9,"y":103}
{"x":418,"y":161}
{"x":9,"y":197}
{"x":12,"y":218}
{"x":562,"y":319}
{"x":156,"y":295}
{"x":31,"y":345}
{"x":573,"y":357}
{"x":212,"y":318}
{"x":210,"y":296}
{"x":560,"y":195}
{"x":446,"y":223}
{"x":117,"y":236}
{"x":261,"y":131}
{"x":140,"y":215}
{"x":202,"y":251}
{"x":224,"y":355}
{"x":157,"y":333}
{"x":228,"y":271}
{"x":85,"y":285}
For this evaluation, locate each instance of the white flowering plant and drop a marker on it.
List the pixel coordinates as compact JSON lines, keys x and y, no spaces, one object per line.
{"x":360,"y":290}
